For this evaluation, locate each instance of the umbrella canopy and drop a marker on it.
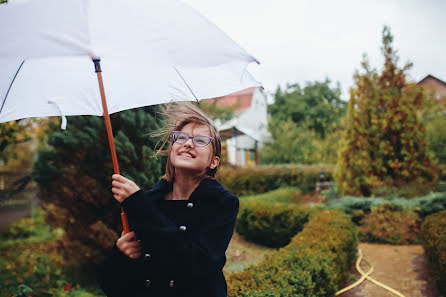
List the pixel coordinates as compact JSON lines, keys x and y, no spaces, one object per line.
{"x":151,"y":52}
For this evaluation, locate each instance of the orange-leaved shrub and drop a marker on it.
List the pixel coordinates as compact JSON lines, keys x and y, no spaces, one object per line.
{"x":386,"y":225}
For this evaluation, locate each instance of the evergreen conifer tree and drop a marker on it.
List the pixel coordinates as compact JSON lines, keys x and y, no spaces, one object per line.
{"x":74,"y":174}
{"x":384,"y":144}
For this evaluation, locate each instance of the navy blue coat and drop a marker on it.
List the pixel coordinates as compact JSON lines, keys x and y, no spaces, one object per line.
{"x":183,"y":244}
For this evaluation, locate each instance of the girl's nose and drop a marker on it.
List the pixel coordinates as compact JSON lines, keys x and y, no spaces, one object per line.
{"x":189,"y":143}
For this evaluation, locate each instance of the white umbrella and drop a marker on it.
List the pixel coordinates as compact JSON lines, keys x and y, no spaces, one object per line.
{"x":151,"y":51}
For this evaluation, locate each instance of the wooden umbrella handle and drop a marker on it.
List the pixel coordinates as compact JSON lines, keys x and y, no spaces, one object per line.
{"x":111,"y":143}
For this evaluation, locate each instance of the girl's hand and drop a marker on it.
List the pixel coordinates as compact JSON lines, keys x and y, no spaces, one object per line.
{"x":129,"y":246}
{"x":122,"y":187}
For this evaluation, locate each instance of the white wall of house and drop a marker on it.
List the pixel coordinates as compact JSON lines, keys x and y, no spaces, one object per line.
{"x":253,"y":122}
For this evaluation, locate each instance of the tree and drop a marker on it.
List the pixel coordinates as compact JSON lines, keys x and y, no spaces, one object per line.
{"x":74,"y":174}
{"x":384,"y":141}
{"x":436,"y":137}
{"x":317,"y":106}
{"x":13,"y":132}
{"x":303,"y":124}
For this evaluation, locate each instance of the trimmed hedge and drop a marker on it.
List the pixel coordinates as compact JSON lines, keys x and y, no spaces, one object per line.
{"x":270,"y":224}
{"x":261,"y":179}
{"x":285,"y":195}
{"x":315,"y":263}
{"x":433,"y":231}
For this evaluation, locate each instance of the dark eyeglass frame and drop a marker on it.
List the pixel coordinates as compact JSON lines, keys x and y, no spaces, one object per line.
{"x":175,"y":135}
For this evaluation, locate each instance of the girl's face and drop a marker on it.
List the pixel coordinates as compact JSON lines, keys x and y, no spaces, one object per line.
{"x":189,"y":158}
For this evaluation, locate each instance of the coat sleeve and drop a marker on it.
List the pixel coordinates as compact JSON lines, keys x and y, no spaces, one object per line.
{"x":200,"y":249}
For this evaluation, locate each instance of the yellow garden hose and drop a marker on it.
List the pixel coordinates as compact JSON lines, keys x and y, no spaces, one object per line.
{"x":366,"y":276}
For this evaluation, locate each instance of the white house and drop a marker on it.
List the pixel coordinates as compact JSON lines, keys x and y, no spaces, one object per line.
{"x":244,"y":134}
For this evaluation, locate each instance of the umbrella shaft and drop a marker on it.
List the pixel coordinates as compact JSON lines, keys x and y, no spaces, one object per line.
{"x":111,"y":143}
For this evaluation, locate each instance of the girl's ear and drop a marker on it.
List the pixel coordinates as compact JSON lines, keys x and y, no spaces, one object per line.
{"x":214,"y":162}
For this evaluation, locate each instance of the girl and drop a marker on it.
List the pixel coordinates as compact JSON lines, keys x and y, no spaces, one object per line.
{"x":181,"y":227}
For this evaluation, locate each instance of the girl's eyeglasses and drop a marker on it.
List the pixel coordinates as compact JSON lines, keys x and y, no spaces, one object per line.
{"x":199,"y":140}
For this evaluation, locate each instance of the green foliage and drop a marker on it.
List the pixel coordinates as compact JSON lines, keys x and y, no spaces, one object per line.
{"x":316,"y":106}
{"x":359,"y":206}
{"x":433,"y":231}
{"x":270,"y":223}
{"x":34,"y":263}
{"x":284,"y":195}
{"x":31,"y":230}
{"x":385,"y":225}
{"x":315,"y":263}
{"x":304,"y":125}
{"x":261,"y":179}
{"x":13,"y":132}
{"x":74,"y":174}
{"x":436,"y":137}
{"x":384,"y":140}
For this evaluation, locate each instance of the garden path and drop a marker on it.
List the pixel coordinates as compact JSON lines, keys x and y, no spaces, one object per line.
{"x":400,"y":267}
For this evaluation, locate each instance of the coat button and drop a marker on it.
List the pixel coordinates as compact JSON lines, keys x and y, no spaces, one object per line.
{"x":172,"y":283}
{"x":146,"y":257}
{"x":147,"y":282}
{"x":190,"y":205}
{"x":183,"y":228}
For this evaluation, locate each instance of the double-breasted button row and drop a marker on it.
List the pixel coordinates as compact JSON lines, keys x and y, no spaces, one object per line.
{"x":171,"y":283}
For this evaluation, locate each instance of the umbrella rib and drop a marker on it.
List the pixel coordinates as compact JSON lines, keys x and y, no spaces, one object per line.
{"x":6,"y":96}
{"x":186,"y":84}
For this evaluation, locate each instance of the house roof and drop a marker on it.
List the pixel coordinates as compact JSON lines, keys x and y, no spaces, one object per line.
{"x":240,"y":100}
{"x":431,"y":77}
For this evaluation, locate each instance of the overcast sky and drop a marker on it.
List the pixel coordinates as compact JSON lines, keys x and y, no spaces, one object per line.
{"x":303,"y":41}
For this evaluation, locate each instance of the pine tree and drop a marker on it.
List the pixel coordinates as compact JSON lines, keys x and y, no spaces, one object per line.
{"x":74,"y":174}
{"x":384,"y":142}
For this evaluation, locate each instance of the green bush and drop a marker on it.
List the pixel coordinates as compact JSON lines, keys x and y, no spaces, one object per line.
{"x":35,"y":262}
{"x":433,"y":231}
{"x":442,"y":174}
{"x":359,"y":206}
{"x":385,"y":225}
{"x":261,"y":179}
{"x":270,"y":224}
{"x":285,"y":195}
{"x":315,"y":263}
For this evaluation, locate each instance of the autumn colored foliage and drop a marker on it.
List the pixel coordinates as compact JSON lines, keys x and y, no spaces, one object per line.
{"x":384,"y":140}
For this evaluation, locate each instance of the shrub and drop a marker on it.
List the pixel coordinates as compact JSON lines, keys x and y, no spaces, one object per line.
{"x":433,"y":231}
{"x":270,"y":224}
{"x":385,"y":225}
{"x":285,"y":195}
{"x":313,"y":264}
{"x":261,"y":179}
{"x":359,"y":206}
{"x":442,"y":173}
{"x":35,"y":262}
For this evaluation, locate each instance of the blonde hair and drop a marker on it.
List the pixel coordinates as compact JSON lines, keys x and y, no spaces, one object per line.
{"x":175,"y":117}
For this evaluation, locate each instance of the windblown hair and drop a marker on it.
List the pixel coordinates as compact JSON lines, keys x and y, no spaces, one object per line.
{"x":175,"y":116}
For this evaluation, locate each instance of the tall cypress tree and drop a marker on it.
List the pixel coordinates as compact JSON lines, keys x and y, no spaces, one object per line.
{"x":74,"y":173}
{"x":384,"y":140}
